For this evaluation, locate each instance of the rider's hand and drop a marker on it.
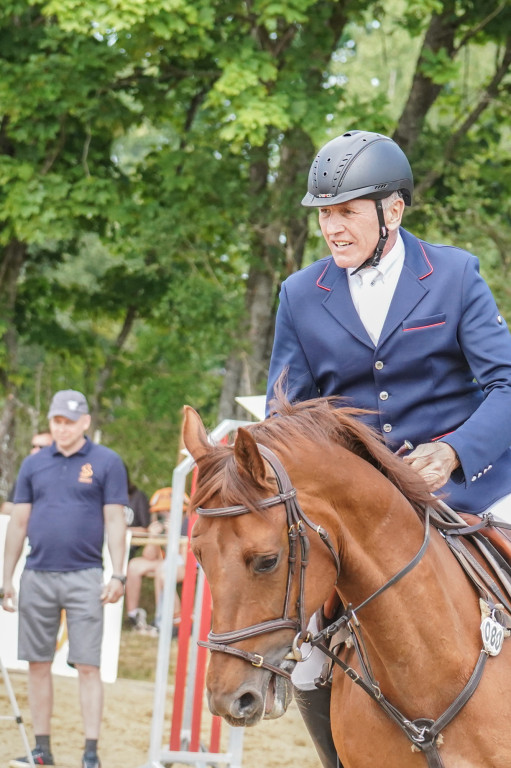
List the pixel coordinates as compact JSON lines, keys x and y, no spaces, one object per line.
{"x":435,"y":462}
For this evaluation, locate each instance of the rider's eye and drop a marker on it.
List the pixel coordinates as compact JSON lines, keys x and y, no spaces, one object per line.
{"x":265,"y":563}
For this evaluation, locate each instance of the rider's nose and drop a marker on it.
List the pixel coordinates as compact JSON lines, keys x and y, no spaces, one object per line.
{"x":335,"y":223}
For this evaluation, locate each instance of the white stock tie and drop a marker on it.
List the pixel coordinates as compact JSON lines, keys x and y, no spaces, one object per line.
{"x":372,"y":302}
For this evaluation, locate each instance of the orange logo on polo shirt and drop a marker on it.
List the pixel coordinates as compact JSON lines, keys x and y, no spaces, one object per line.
{"x":86,"y":473}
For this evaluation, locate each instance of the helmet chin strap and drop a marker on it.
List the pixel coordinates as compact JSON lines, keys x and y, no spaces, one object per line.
{"x":374,"y":260}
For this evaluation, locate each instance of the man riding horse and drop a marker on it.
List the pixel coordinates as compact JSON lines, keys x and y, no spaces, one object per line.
{"x":403,"y":328}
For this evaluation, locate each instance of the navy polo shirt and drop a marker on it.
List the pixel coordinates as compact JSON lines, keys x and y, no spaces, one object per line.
{"x":67,"y":494}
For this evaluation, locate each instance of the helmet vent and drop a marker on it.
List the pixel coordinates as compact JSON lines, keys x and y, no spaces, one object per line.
{"x":340,"y":168}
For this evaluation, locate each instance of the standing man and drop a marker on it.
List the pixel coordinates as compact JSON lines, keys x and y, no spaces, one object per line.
{"x":67,"y":497}
{"x":406,"y":329}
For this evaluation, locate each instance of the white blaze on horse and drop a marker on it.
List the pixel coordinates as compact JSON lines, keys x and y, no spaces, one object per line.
{"x":311,"y":500}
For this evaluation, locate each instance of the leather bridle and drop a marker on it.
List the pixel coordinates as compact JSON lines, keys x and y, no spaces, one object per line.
{"x":297,"y":524}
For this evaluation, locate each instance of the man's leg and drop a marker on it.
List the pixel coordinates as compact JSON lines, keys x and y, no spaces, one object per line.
{"x":91,"y":699}
{"x":38,"y":624}
{"x":40,"y":695}
{"x":313,"y":702}
{"x":85,"y":628}
{"x":314,"y":708}
{"x":138,"y":567}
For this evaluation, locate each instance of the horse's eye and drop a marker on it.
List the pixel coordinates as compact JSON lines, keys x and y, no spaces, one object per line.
{"x":265,"y":563}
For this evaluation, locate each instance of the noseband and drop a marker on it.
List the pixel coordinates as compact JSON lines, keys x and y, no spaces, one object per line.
{"x":297,"y":523}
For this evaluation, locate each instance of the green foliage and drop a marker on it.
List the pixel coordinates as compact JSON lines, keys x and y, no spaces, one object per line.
{"x":438,"y":67}
{"x":152,"y":160}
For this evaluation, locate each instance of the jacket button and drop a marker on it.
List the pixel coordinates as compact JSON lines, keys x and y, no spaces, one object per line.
{"x":378,"y":365}
{"x":474,"y":478}
{"x":384,"y":395}
{"x":387,"y":427}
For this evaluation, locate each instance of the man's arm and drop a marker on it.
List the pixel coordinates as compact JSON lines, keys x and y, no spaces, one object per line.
{"x":14,"y":540}
{"x":486,"y":344}
{"x":115,"y":526}
{"x":288,"y":355}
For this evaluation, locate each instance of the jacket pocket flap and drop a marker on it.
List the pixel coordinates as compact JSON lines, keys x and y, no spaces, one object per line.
{"x":420,"y":323}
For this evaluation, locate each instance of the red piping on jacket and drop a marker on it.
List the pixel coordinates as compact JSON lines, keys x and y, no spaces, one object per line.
{"x":420,"y":327}
{"x":430,"y":265}
{"x":321,"y":277}
{"x":439,"y":437}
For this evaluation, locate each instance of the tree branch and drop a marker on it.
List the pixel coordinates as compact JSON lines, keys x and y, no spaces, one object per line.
{"x":104,"y":375}
{"x":488,"y":95}
{"x":482,"y":24}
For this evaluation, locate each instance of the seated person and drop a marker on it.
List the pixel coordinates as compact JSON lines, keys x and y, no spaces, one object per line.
{"x":151,"y":562}
{"x":137,"y":513}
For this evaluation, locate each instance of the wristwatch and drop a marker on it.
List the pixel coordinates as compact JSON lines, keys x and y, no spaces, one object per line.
{"x":120,"y":578}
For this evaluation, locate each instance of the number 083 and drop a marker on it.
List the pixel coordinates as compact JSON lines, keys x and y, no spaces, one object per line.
{"x":493,"y":636}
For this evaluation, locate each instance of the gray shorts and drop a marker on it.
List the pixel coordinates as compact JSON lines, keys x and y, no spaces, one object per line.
{"x":43,"y":596}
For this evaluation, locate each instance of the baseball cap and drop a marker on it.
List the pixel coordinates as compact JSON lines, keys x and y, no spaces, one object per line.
{"x":68,"y":403}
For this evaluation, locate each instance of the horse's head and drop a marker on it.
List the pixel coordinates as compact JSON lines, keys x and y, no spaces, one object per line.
{"x":251,"y":553}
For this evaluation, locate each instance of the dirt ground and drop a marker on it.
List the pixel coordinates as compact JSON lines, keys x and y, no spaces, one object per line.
{"x":126,"y":728}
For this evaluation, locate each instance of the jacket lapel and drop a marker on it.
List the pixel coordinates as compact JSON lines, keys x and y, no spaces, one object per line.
{"x":339,"y":304}
{"x":411,"y":287}
{"x":410,"y":290}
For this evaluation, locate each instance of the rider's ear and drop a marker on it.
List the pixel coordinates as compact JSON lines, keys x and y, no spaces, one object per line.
{"x":247,"y":455}
{"x":195,"y":437}
{"x":394,"y":214}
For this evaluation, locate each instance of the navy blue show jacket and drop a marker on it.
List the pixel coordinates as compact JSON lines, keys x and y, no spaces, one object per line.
{"x":441,"y":369}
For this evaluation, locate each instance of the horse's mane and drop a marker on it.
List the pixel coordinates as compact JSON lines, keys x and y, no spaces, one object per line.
{"x":319,"y":421}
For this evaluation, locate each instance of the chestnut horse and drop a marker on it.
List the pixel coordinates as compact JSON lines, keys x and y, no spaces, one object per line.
{"x":330,"y":506}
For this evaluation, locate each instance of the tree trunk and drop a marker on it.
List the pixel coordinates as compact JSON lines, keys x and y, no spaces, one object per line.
{"x":102,"y":379}
{"x":424,"y":91}
{"x":278,"y":251}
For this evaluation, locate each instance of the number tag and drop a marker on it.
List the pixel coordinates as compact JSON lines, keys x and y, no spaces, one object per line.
{"x":493,"y":636}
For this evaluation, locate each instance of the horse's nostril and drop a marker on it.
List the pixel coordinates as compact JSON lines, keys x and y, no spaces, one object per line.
{"x":246,"y":705}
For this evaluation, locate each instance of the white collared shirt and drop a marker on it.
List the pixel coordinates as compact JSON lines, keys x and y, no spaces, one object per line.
{"x":372,"y":289}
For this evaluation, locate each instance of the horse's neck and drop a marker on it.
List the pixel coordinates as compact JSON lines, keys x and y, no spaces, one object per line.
{"x":433,"y":603}
{"x":378,"y":533}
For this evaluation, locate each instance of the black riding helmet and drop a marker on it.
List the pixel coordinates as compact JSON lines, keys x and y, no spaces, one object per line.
{"x":360,"y":164}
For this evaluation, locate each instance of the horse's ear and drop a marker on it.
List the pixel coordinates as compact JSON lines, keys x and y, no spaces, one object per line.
{"x":247,"y":455}
{"x":194,"y":433}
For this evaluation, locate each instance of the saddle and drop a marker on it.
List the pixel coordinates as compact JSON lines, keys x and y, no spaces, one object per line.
{"x":499,"y":537}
